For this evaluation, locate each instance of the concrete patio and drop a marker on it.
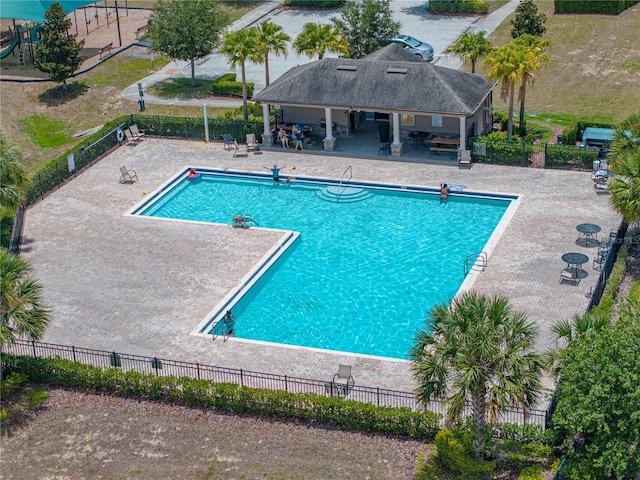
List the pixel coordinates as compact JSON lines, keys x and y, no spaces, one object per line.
{"x":140,"y":285}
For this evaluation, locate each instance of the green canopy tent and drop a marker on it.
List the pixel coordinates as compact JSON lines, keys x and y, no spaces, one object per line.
{"x":34,"y":10}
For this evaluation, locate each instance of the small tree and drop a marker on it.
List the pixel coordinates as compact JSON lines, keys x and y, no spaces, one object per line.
{"x":317,"y":39}
{"x":528,"y":20}
{"x":271,"y":38}
{"x":367,"y":26}
{"x":58,"y":53}
{"x":598,"y":413}
{"x":477,"y":350}
{"x":534,"y":58}
{"x":186,"y":30}
{"x":470,"y":46}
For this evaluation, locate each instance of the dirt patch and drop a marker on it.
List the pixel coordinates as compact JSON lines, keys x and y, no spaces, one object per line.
{"x":83,"y":435}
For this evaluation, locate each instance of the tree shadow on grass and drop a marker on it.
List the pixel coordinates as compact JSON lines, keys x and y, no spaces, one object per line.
{"x":60,"y":95}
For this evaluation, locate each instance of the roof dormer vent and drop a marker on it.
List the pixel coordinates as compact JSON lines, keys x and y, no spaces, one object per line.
{"x":349,"y":68}
{"x":397,"y":70}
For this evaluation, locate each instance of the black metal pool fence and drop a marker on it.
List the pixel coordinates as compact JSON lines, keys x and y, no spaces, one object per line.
{"x":164,"y":367}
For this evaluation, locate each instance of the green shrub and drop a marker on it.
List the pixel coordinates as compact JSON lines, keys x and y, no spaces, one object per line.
{"x":11,"y":384}
{"x":634,"y":292}
{"x":520,"y":433}
{"x":230,"y":397}
{"x":227,"y":86}
{"x":605,"y":307}
{"x":458,"y":6}
{"x":428,"y":469}
{"x":455,"y":454}
{"x":502,"y":151}
{"x":573,"y":132}
{"x":535,"y":472}
{"x":607,"y":7}
{"x":570,"y":155}
{"x":315,"y":3}
{"x":254,"y":110}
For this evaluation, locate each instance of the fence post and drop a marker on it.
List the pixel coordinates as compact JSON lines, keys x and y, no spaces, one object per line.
{"x":286,"y":386}
{"x":186,"y":128}
{"x":198,"y":369}
{"x":241,"y":378}
{"x":33,"y":343}
{"x":73,"y":350}
{"x":378,"y":396}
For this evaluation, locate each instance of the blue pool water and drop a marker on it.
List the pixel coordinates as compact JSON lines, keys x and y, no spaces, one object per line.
{"x":362,"y":276}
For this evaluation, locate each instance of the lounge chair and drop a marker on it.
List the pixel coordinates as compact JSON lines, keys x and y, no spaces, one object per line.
{"x":343,"y":379}
{"x":228,"y":140}
{"x":240,"y":151}
{"x":130,"y":137}
{"x":128,"y":175}
{"x":251,"y":142}
{"x":137,"y":134}
{"x":464,"y":159}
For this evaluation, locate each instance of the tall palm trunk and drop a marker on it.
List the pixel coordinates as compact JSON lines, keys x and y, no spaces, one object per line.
{"x":244,"y":92}
{"x":266,"y":68}
{"x":479,"y":424}
{"x":512,"y":92}
{"x":522,"y":93}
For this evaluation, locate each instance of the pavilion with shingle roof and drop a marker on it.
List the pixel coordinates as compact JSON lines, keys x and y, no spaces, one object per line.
{"x":390,"y":83}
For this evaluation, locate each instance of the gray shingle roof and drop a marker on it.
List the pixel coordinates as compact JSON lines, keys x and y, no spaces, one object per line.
{"x":366,"y":84}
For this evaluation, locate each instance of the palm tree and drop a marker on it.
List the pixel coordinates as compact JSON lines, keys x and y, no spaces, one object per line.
{"x":477,"y":349}
{"x":271,"y":38}
{"x":317,"y":39}
{"x":21,"y":309}
{"x":568,"y":331}
{"x":471,"y":46}
{"x":504,"y":65}
{"x":14,"y":176}
{"x":240,"y":46}
{"x":534,"y":57}
{"x":625,"y":186}
{"x":626,"y":137}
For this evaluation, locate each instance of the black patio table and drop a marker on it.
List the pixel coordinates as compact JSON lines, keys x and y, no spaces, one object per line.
{"x":574,"y":263}
{"x":588,"y":236}
{"x":419,"y":138}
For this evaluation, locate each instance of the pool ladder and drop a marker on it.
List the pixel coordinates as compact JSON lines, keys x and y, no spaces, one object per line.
{"x":350,"y":170}
{"x":475,"y":261}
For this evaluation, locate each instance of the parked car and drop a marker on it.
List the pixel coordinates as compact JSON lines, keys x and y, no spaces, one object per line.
{"x":415,"y":46}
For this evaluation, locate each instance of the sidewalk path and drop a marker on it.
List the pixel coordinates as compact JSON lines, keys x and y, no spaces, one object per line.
{"x":211,"y":66}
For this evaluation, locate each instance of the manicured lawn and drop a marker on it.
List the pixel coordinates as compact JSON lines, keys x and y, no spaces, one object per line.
{"x":594,"y":70}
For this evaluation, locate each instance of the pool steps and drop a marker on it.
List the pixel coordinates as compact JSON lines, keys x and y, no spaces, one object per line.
{"x":342,"y":194}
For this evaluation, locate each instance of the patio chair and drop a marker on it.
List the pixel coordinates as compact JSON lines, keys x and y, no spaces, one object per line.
{"x":464,"y":159}
{"x":130,"y":137}
{"x":137,"y":134}
{"x":240,"y":151}
{"x":251,"y":142}
{"x":228,"y":140}
{"x":343,"y":379}
{"x":570,"y":275}
{"x":128,"y":175}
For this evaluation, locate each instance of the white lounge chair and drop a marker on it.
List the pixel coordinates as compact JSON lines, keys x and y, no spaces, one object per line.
{"x":251,"y":142}
{"x":137,"y":134}
{"x":240,"y":151}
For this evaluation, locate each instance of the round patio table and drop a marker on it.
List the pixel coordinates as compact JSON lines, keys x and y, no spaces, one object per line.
{"x":574,"y":259}
{"x":588,"y":236}
{"x":419,"y":138}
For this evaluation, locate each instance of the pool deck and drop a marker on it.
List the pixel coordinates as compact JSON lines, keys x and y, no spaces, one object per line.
{"x":140,"y":285}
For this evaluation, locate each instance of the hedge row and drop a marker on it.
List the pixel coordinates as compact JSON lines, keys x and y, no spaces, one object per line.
{"x":227,"y":397}
{"x":573,"y":132}
{"x":227,"y":86}
{"x":315,"y":3}
{"x":458,"y":6}
{"x":607,"y":7}
{"x":570,"y":155}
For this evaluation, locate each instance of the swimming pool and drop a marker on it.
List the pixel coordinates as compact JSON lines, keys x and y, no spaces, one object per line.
{"x":361,"y":276}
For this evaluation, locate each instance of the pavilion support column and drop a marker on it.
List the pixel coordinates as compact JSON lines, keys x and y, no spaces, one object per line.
{"x":463,"y":133}
{"x":396,"y":146}
{"x":267,"y":138}
{"x":329,"y":141}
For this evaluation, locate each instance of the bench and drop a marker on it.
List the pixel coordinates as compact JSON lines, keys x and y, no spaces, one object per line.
{"x":140,"y":30}
{"x":106,"y":48}
{"x":444,"y":149}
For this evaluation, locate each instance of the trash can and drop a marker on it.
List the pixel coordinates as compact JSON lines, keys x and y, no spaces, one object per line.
{"x":384,"y":133}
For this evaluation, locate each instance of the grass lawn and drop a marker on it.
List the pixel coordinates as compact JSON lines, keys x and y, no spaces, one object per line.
{"x":594,"y":70}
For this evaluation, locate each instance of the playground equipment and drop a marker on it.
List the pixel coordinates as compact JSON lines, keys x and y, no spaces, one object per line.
{"x":15,"y":41}
{"x":24,"y":40}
